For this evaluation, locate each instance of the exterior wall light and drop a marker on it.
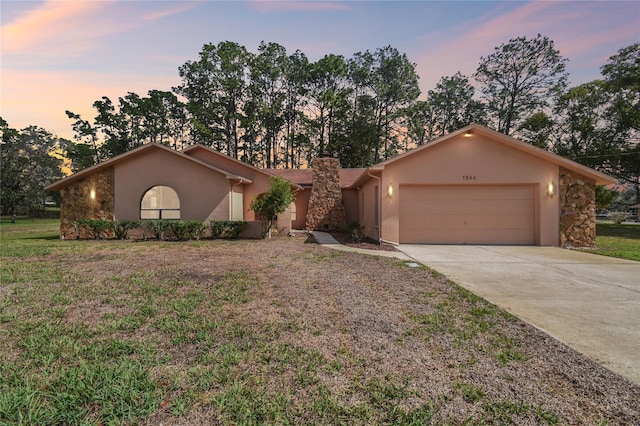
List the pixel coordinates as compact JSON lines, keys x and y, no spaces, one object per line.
{"x":390,"y":190}
{"x":551,"y":190}
{"x":468,"y":134}
{"x":92,"y":194}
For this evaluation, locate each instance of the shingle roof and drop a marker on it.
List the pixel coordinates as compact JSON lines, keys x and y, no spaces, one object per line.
{"x":349,"y":176}
{"x":304,"y":177}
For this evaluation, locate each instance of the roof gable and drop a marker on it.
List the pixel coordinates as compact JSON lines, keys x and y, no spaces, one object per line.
{"x":234,"y":163}
{"x":476,"y":129}
{"x":136,"y":152}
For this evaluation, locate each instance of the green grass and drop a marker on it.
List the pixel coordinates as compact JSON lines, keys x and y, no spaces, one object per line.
{"x":177,"y":340}
{"x":117,"y":368}
{"x":30,"y":237}
{"x":621,"y":241}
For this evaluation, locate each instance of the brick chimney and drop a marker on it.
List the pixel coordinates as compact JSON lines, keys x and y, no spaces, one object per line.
{"x":326,"y":210}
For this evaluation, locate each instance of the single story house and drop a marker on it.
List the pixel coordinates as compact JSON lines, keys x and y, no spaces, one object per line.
{"x":472,"y":186}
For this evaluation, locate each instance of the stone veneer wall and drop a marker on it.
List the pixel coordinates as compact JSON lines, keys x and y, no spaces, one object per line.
{"x":326,"y":210}
{"x":77,"y":202}
{"x":577,"y":210}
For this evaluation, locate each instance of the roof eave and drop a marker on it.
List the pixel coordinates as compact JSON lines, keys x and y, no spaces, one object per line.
{"x":56,"y":186}
{"x":599,"y":177}
{"x":366,"y":175}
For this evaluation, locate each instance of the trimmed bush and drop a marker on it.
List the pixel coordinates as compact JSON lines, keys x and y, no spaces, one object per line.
{"x":226,"y":229}
{"x":188,"y":229}
{"x":122,"y":227}
{"x":159,"y":227}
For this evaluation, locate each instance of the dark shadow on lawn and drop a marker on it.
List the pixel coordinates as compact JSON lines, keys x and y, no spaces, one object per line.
{"x":613,"y":230}
{"x":40,"y":237}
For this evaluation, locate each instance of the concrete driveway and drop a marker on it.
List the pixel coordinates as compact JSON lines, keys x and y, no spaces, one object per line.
{"x":589,"y":302}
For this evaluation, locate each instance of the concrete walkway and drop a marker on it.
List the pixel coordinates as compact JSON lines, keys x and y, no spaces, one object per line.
{"x":589,"y":302}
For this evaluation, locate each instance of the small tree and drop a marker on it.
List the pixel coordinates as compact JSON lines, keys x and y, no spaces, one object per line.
{"x":273,"y":202}
{"x":605,"y":197}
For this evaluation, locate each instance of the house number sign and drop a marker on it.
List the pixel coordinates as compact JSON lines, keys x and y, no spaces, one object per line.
{"x":468,"y":177}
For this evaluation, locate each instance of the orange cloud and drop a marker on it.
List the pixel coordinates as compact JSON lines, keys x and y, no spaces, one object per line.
{"x":39,"y":25}
{"x":44,"y":100}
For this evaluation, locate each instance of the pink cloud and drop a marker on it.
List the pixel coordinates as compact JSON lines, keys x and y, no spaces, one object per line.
{"x":51,"y":19}
{"x":569,"y":26}
{"x":182,"y":7}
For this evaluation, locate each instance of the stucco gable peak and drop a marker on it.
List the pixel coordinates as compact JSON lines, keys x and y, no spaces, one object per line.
{"x":134,"y":153}
{"x":192,"y":148}
{"x":599,"y":177}
{"x":267,"y":172}
{"x":475,"y":129}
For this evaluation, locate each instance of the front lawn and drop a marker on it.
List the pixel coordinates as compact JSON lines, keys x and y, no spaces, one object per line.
{"x":622,"y":241}
{"x":279,"y":331}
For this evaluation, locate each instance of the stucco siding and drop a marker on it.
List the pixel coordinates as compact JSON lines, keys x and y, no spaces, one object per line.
{"x":368,"y":201}
{"x":471,"y":161}
{"x":260,"y":180}
{"x":223,"y":162}
{"x":350,"y":201}
{"x":203,"y":193}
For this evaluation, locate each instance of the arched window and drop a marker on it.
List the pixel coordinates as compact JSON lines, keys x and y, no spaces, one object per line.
{"x":160,"y":202}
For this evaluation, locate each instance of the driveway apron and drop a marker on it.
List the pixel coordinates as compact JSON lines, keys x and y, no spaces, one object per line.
{"x":589,"y":302}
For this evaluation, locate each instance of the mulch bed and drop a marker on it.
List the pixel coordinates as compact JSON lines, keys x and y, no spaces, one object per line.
{"x":366,"y":243}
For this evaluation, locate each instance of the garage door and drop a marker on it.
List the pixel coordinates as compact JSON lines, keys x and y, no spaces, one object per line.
{"x":467,"y":214}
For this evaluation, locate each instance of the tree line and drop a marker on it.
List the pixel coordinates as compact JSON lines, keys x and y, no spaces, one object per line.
{"x":279,"y":110}
{"x":269,"y":109}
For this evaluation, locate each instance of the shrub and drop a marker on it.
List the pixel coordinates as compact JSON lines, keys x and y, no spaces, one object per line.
{"x":356,"y":232}
{"x":146,"y":226}
{"x":188,"y":229}
{"x":182,"y":229}
{"x":122,"y":227}
{"x":159,"y":227}
{"x":226,"y":229}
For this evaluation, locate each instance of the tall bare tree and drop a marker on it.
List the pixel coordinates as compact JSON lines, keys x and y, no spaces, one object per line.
{"x":520,"y":78}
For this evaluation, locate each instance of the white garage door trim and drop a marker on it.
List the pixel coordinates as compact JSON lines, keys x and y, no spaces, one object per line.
{"x":467,"y":214}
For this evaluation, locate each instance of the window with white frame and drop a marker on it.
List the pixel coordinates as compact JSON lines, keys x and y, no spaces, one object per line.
{"x":160,"y":202}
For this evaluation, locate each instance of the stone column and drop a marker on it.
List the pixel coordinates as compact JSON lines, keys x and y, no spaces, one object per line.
{"x":89,"y":198}
{"x":577,"y":210}
{"x":326,"y":210}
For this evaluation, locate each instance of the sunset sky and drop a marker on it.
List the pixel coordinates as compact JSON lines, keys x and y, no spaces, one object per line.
{"x":59,"y":55}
